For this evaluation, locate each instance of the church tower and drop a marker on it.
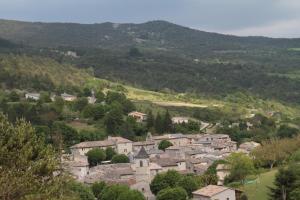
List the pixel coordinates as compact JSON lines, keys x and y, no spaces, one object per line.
{"x":142,"y":166}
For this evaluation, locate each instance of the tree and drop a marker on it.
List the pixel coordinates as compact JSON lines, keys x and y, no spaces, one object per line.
{"x":159,"y":124}
{"x":164,"y":180}
{"x":132,"y":195}
{"x":287,"y":183}
{"x":150,"y":120}
{"x":167,"y":122}
{"x":275,"y":151}
{"x":80,"y":103}
{"x":69,"y":135}
{"x":113,"y":120}
{"x":86,"y":92}
{"x":134,"y":52}
{"x":100,"y":96}
{"x":189,"y":184}
{"x":285,"y":131}
{"x":83,"y":191}
{"x":110,"y":152}
{"x":98,"y":188}
{"x":120,"y":192}
{"x":164,"y":144}
{"x":240,"y":166}
{"x":28,"y":164}
{"x":176,"y":193}
{"x":45,"y":97}
{"x":13,"y":96}
{"x":120,"y":158}
{"x":95,"y":156}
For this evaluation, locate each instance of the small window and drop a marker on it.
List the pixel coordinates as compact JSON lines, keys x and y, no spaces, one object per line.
{"x":143,"y":189}
{"x":227,"y":198}
{"x":141,"y":163}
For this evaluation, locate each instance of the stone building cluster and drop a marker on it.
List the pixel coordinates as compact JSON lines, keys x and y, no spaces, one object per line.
{"x":189,"y":154}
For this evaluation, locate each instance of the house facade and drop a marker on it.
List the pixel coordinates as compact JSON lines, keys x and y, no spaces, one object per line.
{"x":214,"y":192}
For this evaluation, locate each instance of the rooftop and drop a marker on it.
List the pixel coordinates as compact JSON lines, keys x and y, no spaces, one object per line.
{"x":142,"y":154}
{"x":210,"y":190}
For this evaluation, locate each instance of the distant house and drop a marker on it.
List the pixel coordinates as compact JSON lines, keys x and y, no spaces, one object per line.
{"x":140,"y":117}
{"x":180,"y":120}
{"x":213,"y":192}
{"x":32,"y":96}
{"x":68,"y":97}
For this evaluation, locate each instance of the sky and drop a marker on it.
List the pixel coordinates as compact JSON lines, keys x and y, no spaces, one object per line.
{"x":272,"y":18}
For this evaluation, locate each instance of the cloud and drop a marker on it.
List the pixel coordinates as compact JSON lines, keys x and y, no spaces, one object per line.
{"x":289,"y":28}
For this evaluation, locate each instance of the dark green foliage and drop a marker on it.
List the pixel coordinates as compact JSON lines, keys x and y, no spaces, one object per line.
{"x":94,"y":112}
{"x":285,"y":131}
{"x":28,"y":164}
{"x":69,"y":135}
{"x":100,"y":96}
{"x":95,"y":156}
{"x":176,"y":193}
{"x":113,"y":120}
{"x":164,"y":180}
{"x":83,"y":191}
{"x":167,"y":121}
{"x":159,"y":124}
{"x":150,"y":119}
{"x":188,"y":183}
{"x":190,"y":127}
{"x":120,"y":158}
{"x":98,"y":188}
{"x":90,"y":135}
{"x":164,"y":144}
{"x":86,"y":92}
{"x":80,"y":103}
{"x":110,"y":153}
{"x":134,"y":52}
{"x":287,"y":183}
{"x":13,"y":96}
{"x":120,"y":192}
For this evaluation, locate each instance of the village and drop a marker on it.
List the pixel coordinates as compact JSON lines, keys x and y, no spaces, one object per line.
{"x":187,"y":154}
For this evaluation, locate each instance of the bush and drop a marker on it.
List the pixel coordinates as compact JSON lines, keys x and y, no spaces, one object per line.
{"x":164,"y":144}
{"x":176,"y":193}
{"x":95,"y":156}
{"x":120,"y":158}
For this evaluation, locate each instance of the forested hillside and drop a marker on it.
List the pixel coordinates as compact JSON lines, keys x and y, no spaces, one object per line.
{"x":162,"y":56}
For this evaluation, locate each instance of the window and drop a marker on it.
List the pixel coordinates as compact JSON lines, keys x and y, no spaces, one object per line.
{"x":227,"y":198}
{"x":143,"y":189}
{"x":141,"y":163}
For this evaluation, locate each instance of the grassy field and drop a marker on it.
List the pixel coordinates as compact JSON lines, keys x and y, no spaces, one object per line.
{"x":259,"y":190}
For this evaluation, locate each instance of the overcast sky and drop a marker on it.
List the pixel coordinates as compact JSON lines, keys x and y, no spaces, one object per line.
{"x":275,"y":18}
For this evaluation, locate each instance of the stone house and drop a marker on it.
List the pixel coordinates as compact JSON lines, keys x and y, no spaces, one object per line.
{"x":214,"y":192}
{"x":119,"y":144}
{"x":148,"y":145}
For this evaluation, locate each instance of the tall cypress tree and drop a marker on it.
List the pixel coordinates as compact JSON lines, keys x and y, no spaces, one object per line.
{"x":167,"y":122}
{"x":150,"y":119}
{"x":159,"y":124}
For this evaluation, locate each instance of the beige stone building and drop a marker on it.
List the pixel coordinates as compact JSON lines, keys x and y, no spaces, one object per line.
{"x":214,"y":192}
{"x":121,"y":146}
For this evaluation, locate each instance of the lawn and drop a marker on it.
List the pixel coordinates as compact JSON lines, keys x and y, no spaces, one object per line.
{"x":259,"y":190}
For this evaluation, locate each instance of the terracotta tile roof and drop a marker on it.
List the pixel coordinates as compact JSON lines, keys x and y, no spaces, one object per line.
{"x":210,"y":190}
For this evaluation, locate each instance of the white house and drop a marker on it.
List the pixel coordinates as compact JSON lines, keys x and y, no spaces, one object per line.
{"x":180,"y":120}
{"x":33,"y":96}
{"x":214,"y":192}
{"x":68,"y":97}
